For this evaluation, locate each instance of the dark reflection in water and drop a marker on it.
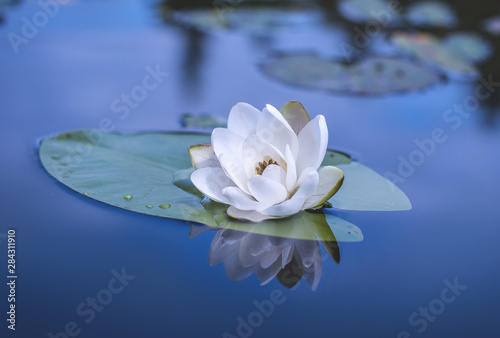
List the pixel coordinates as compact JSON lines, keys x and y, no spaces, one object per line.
{"x":473,"y":18}
{"x":287,"y":249}
{"x":268,"y":257}
{"x":4,"y":5}
{"x":193,"y":61}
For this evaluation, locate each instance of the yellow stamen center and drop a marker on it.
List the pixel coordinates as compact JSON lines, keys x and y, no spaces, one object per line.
{"x":259,"y":169}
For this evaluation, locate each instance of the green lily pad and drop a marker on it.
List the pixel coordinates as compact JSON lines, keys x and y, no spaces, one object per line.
{"x":129,"y":171}
{"x":365,"y":190}
{"x":149,"y":173}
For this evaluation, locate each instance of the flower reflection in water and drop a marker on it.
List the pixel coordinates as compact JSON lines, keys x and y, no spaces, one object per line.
{"x":288,"y":252}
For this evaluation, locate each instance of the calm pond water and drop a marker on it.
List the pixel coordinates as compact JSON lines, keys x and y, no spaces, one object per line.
{"x":86,"y":269}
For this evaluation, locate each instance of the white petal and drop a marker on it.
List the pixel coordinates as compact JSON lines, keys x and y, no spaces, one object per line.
{"x":246,"y":258}
{"x":203,"y":156}
{"x":228,"y":147}
{"x":306,"y":250}
{"x":269,"y":257}
{"x":256,"y":150}
{"x":219,"y":250}
{"x":266,"y":190}
{"x":309,"y":181}
{"x":310,"y":259}
{"x":243,"y":119}
{"x":240,"y":199}
{"x":267,"y":275}
{"x":308,"y":176}
{"x":258,"y":244}
{"x":291,"y":171}
{"x":313,"y":141}
{"x":276,"y":173}
{"x":233,"y":267}
{"x":287,"y":255}
{"x":230,"y":236}
{"x":274,"y":129}
{"x":211,"y":181}
{"x":285,"y":209}
{"x":330,"y":181}
{"x":249,"y":215}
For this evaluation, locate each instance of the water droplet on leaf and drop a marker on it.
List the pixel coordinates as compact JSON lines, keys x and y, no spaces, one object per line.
{"x":128,"y":197}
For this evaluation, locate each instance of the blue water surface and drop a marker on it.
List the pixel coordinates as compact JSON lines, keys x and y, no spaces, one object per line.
{"x":68,"y":76}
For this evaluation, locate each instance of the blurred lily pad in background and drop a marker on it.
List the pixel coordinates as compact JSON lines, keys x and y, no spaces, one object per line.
{"x":202,"y":121}
{"x":257,"y":20}
{"x":412,"y":58}
{"x":455,"y":55}
{"x":492,"y":25}
{"x":376,"y":75}
{"x":469,"y":46}
{"x":389,"y":13}
{"x":431,"y":14}
{"x":362,"y":11}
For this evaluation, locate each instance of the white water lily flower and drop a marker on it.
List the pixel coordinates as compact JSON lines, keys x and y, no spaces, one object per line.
{"x":266,"y":164}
